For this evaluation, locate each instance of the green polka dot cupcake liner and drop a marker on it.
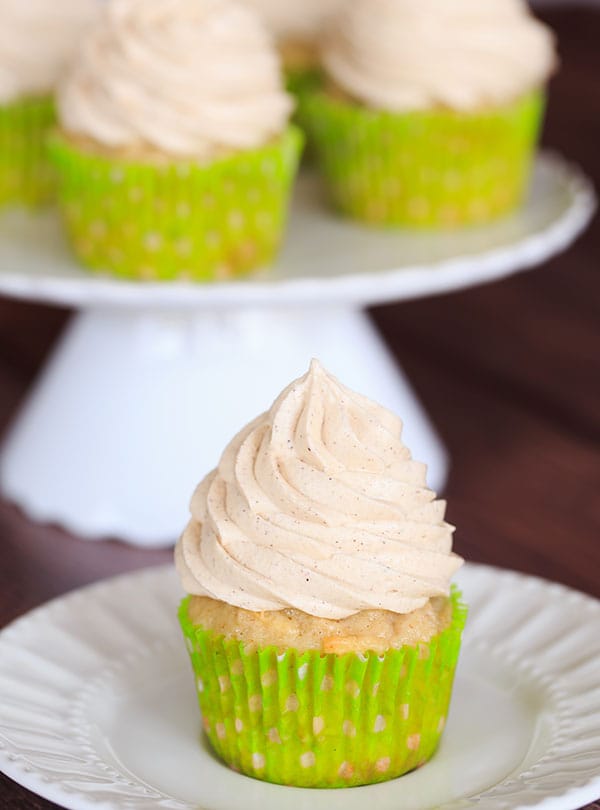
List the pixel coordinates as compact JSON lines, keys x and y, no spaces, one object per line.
{"x":26,"y":175}
{"x":176,"y":221}
{"x":427,"y":169}
{"x":317,"y":720}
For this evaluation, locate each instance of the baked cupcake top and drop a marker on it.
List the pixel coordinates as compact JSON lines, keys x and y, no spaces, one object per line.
{"x":37,"y":40}
{"x":402,"y":55}
{"x":317,"y":505}
{"x":185,"y":77}
{"x":296,"y":20}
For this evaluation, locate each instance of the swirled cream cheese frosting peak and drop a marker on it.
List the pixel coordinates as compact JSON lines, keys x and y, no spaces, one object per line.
{"x":403,"y":55}
{"x":37,"y":40}
{"x":186,"y":77}
{"x":317,"y":505}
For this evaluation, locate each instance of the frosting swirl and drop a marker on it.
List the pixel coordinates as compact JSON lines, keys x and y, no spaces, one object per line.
{"x":186,"y":77}
{"x":317,"y":505}
{"x":290,"y":20}
{"x":399,"y":55}
{"x":37,"y":40}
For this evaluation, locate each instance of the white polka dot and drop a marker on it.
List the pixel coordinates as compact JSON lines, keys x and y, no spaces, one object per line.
{"x":362,"y":657}
{"x":375,"y":688}
{"x":258,"y":761}
{"x":255,"y":703}
{"x":349,"y":728}
{"x":292,"y":704}
{"x":353,"y":689}
{"x":200,"y":684}
{"x":413,"y":742}
{"x":346,"y":770}
{"x":318,"y":725}
{"x":183,"y":247}
{"x":379,"y":723}
{"x":268,"y":678}
{"x":282,"y":656}
{"x":236,"y":220}
{"x":116,"y":175}
{"x":441,"y":725}
{"x":273,"y":736}
{"x":302,"y":671}
{"x":237,"y":667}
{"x":382,"y":765}
{"x":189,"y":644}
{"x":239,"y":726}
{"x":152,"y":242}
{"x":308,"y":759}
{"x":404,"y":711}
{"x":147,"y":272}
{"x":224,"y":683}
{"x":327,"y":684}
{"x":220,"y":730}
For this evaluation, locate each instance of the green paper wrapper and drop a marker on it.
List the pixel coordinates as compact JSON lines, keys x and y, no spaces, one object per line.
{"x":180,"y":220}
{"x":26,"y":175}
{"x":303,"y":84}
{"x":323,"y":720}
{"x":424,"y":169}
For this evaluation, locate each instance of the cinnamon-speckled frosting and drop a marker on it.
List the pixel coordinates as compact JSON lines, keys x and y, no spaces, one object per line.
{"x":37,"y":40}
{"x":317,"y":505}
{"x":186,"y":77}
{"x":402,"y":55}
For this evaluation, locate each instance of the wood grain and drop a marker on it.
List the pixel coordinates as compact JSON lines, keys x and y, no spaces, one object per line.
{"x":509,"y":373}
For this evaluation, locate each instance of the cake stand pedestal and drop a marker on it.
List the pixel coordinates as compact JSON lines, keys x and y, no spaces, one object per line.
{"x":150,"y":381}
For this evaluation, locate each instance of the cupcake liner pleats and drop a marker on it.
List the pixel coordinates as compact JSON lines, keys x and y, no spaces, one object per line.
{"x":26,"y":174}
{"x":180,"y":220}
{"x":435,"y":168}
{"x":322,"y":720}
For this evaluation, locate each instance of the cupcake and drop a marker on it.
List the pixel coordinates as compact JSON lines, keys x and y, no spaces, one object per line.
{"x":297,"y":28}
{"x":432,"y":110}
{"x":37,"y":39}
{"x":321,"y":625}
{"x":174,"y":152}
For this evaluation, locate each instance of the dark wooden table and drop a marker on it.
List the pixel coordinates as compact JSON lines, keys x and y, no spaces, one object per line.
{"x":510,"y":374}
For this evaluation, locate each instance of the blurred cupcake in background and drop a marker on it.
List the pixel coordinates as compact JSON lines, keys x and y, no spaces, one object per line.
{"x":174,"y":152}
{"x":37,"y":40}
{"x":298,"y":27}
{"x":432,"y":109}
{"x":321,"y":624}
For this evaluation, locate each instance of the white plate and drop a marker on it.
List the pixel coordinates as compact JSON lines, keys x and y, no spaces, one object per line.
{"x":97,"y":707}
{"x":325,"y":258}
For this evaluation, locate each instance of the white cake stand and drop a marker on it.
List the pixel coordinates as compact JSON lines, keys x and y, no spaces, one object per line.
{"x":150,"y":381}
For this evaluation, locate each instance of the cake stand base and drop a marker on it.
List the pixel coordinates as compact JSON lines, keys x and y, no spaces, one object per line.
{"x":133,"y":409}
